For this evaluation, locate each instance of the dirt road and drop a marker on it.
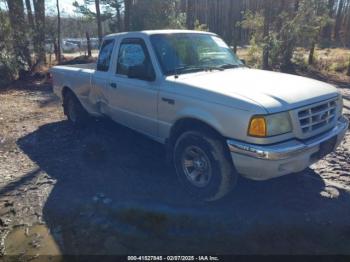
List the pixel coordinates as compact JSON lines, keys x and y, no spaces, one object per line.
{"x":107,"y":190}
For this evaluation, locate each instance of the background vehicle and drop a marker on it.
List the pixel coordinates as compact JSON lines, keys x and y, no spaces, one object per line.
{"x":217,"y":118}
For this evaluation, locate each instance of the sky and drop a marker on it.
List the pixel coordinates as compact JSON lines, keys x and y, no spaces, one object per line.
{"x":66,"y":6}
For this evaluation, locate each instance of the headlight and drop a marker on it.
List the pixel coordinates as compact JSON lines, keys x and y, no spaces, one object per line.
{"x":270,"y":125}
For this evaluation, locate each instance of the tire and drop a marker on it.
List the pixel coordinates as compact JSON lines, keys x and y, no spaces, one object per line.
{"x":74,"y":111}
{"x":203,"y":166}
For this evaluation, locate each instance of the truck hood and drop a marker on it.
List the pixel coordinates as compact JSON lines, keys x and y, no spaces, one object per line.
{"x":273,"y":91}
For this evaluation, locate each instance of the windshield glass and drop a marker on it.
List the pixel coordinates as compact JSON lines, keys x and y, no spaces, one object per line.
{"x":186,"y":52}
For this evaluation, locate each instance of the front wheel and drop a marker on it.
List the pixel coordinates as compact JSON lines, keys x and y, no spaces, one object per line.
{"x":203,"y":166}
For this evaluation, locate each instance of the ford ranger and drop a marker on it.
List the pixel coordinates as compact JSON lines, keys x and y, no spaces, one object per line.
{"x":217,"y":118}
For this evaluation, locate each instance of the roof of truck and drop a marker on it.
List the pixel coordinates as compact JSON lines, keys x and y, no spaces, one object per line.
{"x":157,"y":32}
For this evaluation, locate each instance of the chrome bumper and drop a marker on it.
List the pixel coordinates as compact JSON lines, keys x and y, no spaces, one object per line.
{"x":288,"y":149}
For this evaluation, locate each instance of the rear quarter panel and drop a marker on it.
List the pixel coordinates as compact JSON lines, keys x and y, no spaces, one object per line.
{"x":77,"y":79}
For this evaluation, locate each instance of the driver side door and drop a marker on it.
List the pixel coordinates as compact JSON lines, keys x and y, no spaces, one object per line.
{"x":133,"y":98}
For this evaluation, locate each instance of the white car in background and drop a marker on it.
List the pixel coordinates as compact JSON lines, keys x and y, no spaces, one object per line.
{"x":69,"y":47}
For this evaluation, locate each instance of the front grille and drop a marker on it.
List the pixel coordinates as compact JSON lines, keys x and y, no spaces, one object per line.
{"x":318,"y":116}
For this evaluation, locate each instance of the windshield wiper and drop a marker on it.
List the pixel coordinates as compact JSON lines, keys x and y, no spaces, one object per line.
{"x":229,"y":66}
{"x":189,"y":69}
{"x":186,"y":69}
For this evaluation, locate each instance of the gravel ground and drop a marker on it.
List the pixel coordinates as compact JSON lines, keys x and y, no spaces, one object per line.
{"x":107,"y":190}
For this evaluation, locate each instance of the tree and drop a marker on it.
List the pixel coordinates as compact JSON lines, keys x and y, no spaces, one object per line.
{"x":338,"y":20}
{"x":58,"y":32}
{"x":266,"y":34}
{"x":20,"y":40}
{"x":127,"y":6}
{"x":155,"y":14}
{"x":114,"y":12}
{"x":318,"y":19}
{"x":88,"y":43}
{"x":327,"y":30}
{"x":39,"y":35}
{"x":190,"y":14}
{"x":98,"y":19}
{"x":8,"y":61}
{"x":30,"y":15}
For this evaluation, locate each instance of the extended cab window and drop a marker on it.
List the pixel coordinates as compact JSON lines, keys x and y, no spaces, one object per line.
{"x":133,"y":56}
{"x":105,"y":55}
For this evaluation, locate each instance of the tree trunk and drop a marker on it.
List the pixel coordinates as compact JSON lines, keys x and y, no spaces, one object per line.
{"x":88,"y":44}
{"x":39,"y":7}
{"x":338,"y":20}
{"x":55,"y":49}
{"x":20,"y":41}
{"x":312,"y":53}
{"x":213,"y":16}
{"x":190,"y":14}
{"x":296,"y":6}
{"x":119,"y":18}
{"x":327,"y":30}
{"x":58,"y":32}
{"x":30,"y":15}
{"x":98,"y":19}
{"x":127,"y":6}
{"x":266,"y":49}
{"x":289,"y":44}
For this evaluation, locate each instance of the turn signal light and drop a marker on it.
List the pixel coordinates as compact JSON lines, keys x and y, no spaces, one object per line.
{"x":257,"y":127}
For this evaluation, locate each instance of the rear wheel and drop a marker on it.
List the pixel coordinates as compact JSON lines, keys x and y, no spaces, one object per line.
{"x":203,"y":166}
{"x":74,"y":111}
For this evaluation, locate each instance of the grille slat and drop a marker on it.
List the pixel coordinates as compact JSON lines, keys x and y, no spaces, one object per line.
{"x":314,"y":114}
{"x":318,"y":121}
{"x":317,"y":117}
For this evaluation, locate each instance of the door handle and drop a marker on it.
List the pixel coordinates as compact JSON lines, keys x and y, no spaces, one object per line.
{"x":113,"y":85}
{"x":168,"y":100}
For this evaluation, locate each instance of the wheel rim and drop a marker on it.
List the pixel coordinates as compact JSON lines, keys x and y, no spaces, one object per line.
{"x":71,"y":111}
{"x":196,"y":166}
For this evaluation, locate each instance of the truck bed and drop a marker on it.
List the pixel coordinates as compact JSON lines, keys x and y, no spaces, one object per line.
{"x":83,"y":66}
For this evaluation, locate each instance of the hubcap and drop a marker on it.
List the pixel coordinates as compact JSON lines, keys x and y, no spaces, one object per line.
{"x":196,"y":166}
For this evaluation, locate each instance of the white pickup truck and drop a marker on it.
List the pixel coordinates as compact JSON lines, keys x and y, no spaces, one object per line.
{"x":217,"y":118}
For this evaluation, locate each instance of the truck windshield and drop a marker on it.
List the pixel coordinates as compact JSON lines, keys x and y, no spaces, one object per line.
{"x":185,"y":53}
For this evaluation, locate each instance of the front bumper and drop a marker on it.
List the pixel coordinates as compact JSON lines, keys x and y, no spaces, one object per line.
{"x":259,"y":162}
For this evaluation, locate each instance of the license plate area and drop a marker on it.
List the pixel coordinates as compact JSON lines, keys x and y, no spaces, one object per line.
{"x":326,"y":147}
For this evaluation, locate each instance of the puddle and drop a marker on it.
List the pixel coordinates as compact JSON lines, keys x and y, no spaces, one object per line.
{"x":31,"y":241}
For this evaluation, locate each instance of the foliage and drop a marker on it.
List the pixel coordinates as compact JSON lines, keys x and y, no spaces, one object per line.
{"x":84,"y":9}
{"x":200,"y":27}
{"x":288,"y":29}
{"x":155,"y":14}
{"x":8,"y":68}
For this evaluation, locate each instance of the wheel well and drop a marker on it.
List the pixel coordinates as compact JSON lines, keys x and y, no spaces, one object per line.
{"x":187,"y":124}
{"x":65,"y":90}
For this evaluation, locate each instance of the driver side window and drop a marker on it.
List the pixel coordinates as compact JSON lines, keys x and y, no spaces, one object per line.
{"x":133,"y":55}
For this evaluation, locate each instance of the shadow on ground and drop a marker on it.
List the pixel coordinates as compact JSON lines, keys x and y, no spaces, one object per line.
{"x":114,"y":194}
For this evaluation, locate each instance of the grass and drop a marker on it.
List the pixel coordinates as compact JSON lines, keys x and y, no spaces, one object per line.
{"x":330,"y":63}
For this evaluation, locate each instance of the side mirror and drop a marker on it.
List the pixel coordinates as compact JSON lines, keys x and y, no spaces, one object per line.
{"x":141,"y":72}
